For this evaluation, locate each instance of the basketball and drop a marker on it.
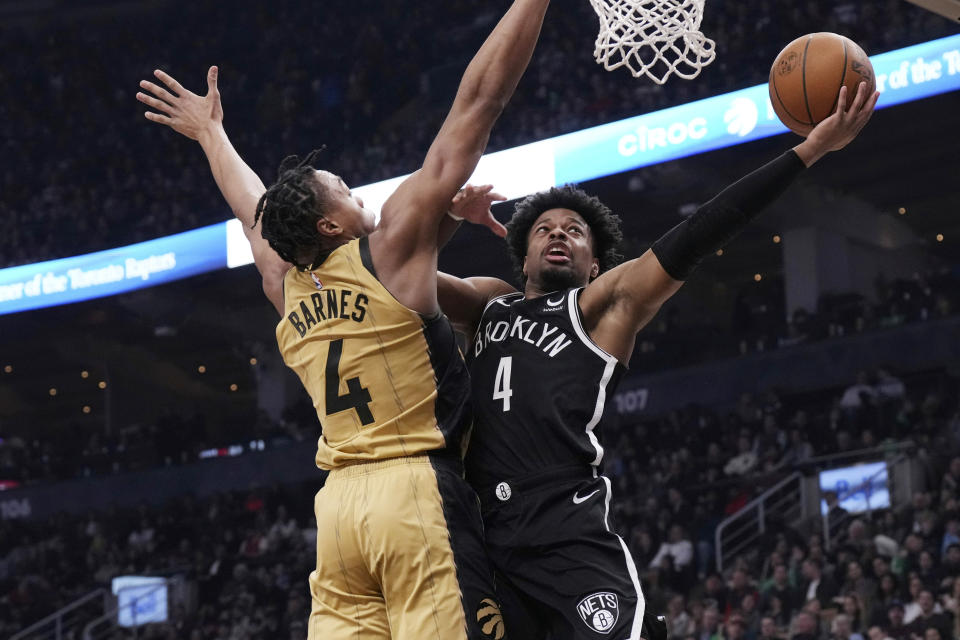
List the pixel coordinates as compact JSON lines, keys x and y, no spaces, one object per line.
{"x":806,"y":77}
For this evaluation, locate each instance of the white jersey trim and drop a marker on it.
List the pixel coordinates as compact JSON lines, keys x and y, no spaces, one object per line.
{"x":608,"y":370}
{"x":631,"y":569}
{"x":577,"y":321}
{"x":487,"y":306}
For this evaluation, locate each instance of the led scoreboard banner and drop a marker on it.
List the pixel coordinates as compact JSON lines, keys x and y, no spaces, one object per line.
{"x":904,"y":75}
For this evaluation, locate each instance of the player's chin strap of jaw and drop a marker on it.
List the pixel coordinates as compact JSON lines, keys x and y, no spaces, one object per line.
{"x":718,"y":221}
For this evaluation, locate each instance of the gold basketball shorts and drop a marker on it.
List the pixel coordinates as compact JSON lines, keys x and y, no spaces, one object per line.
{"x":400,"y":555}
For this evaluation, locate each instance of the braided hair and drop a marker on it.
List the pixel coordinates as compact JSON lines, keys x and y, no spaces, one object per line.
{"x":289,"y":211}
{"x":604,"y":225}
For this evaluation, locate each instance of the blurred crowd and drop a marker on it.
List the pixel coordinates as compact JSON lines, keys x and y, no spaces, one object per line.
{"x":247,"y":554}
{"x":760,"y":322}
{"x":173,"y":439}
{"x":370,"y":80}
{"x":890,"y":573}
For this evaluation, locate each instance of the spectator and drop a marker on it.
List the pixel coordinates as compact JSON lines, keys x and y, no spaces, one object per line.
{"x":888,"y":386}
{"x":888,"y":591}
{"x":854,"y":609}
{"x":859,"y":394}
{"x":895,"y":627}
{"x":837,"y":517}
{"x":680,"y":623}
{"x":709,"y":627}
{"x":804,"y":627}
{"x":716,"y":591}
{"x":950,"y":484}
{"x":283,"y":529}
{"x":951,"y":537}
{"x":739,"y":588}
{"x":841,"y":629}
{"x":861,"y":587}
{"x":913,"y":607}
{"x":931,"y":615}
{"x":779,"y":587}
{"x":951,"y":564}
{"x":768,"y":629}
{"x":876,"y":633}
{"x":678,"y":547}
{"x":735,"y":627}
{"x":817,"y":586}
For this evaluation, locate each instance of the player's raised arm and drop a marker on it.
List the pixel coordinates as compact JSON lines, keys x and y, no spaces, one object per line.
{"x":622,"y":301}
{"x":200,"y":118}
{"x":404,"y":245}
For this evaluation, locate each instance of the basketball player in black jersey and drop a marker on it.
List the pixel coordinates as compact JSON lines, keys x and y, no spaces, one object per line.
{"x":545,"y":361}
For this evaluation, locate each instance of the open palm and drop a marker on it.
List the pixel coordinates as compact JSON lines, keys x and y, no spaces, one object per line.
{"x":183,"y":111}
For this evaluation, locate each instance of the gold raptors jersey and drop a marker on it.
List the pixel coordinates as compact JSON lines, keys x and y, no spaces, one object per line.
{"x":386,"y":382}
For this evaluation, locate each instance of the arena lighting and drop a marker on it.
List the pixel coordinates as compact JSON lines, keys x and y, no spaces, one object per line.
{"x":904,"y":75}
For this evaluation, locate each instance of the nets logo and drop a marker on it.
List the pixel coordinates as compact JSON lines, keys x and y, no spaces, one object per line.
{"x":600,"y":611}
{"x":490,"y":619}
{"x":741,"y":117}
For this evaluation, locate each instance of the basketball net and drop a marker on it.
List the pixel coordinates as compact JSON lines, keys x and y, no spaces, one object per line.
{"x":653,"y":38}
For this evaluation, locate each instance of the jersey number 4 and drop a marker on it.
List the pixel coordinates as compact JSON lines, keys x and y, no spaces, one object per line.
{"x":501,"y":386}
{"x":357,"y":397}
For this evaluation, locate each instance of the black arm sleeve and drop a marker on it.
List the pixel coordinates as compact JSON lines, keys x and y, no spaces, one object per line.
{"x":718,"y":221}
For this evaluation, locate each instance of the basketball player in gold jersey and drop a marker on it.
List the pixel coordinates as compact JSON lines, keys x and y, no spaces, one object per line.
{"x":399,"y":548}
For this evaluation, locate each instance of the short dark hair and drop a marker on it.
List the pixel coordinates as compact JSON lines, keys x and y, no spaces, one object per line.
{"x":604,"y":224}
{"x":288,"y":211}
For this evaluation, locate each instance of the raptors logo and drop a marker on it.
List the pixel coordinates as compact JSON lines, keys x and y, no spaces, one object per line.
{"x":600,"y":611}
{"x":490,"y":619}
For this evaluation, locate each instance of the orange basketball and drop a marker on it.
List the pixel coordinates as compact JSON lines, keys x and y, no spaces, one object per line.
{"x":806,"y":77}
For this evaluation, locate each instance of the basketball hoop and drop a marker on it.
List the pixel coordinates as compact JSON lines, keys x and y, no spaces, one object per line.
{"x":653,"y":38}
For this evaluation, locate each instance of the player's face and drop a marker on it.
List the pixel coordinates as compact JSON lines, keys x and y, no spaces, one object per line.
{"x":345,"y":208}
{"x":559,"y":252}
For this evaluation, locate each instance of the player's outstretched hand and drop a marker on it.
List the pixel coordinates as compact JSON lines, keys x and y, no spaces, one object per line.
{"x":473,"y":204}
{"x":839,"y":130}
{"x":182,"y":110}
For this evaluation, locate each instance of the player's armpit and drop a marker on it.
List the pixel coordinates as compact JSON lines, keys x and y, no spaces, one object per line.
{"x":620,"y":302}
{"x":272,"y":271}
{"x":463,"y":299}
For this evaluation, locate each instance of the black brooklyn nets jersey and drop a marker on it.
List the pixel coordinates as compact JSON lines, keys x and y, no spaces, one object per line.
{"x":541,"y":388}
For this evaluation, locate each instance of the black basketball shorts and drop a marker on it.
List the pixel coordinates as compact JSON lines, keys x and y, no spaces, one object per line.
{"x":562,"y":573}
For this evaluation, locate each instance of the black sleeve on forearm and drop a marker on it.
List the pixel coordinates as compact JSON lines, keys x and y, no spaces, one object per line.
{"x":718,"y":221}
